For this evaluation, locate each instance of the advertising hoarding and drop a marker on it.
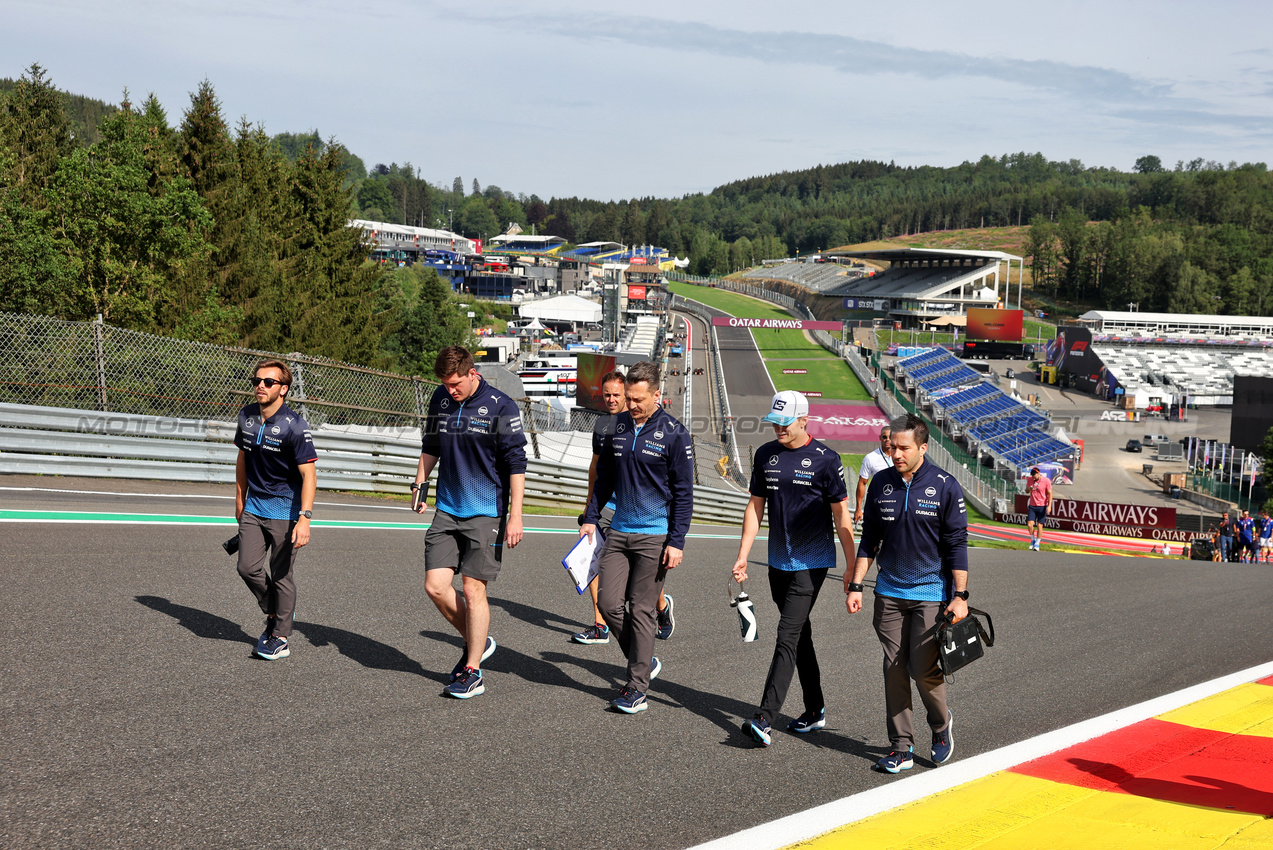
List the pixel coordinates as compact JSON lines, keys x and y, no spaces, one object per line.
{"x":989,"y":323}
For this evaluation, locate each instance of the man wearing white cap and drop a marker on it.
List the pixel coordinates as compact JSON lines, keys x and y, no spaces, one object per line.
{"x":802,"y":481}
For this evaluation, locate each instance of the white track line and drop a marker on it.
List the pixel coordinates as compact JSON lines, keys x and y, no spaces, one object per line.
{"x":825,"y":818}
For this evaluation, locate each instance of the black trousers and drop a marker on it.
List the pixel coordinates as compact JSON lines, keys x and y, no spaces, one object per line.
{"x":794,"y":592}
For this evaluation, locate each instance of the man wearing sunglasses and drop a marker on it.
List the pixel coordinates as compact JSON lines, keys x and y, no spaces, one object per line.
{"x":473,"y":435}
{"x":274,"y":501}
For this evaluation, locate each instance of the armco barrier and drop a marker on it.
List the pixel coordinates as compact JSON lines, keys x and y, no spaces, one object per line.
{"x":60,"y":441}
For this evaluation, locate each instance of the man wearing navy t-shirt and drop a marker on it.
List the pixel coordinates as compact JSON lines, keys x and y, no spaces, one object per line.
{"x":473,"y":435}
{"x":802,"y":481}
{"x":915,"y":528}
{"x":274,"y":490}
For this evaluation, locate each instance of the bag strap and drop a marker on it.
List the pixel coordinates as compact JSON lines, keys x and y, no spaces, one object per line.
{"x":988,"y":639}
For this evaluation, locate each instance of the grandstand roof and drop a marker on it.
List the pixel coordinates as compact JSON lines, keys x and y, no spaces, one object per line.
{"x":539,"y":242}
{"x":893,"y":255}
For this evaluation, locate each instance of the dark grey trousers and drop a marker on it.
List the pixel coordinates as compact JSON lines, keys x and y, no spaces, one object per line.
{"x":630,"y":571}
{"x":908,"y":635}
{"x":275,"y":591}
{"x":794,"y":592}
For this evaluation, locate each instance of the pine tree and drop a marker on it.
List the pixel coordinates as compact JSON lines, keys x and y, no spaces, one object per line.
{"x":37,"y":134}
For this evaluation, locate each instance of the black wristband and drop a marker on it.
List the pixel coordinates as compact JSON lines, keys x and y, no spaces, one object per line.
{"x":854,"y":587}
{"x":960,"y":594}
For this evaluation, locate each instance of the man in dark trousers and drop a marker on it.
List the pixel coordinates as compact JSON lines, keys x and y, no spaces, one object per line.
{"x":473,"y":434}
{"x":915,"y":528}
{"x":802,"y":481}
{"x":274,"y":486}
{"x":647,"y":464}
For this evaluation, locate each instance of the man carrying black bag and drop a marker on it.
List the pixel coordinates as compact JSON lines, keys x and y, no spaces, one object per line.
{"x":915,"y":527}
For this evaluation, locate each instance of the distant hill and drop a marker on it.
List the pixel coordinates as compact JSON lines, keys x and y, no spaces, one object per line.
{"x":85,"y":113}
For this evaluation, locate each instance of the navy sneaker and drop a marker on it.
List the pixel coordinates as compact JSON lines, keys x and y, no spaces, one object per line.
{"x":896,"y":761}
{"x":629,"y":701}
{"x":265,"y":635}
{"x":274,"y":648}
{"x":667,"y":623}
{"x":464,"y":657}
{"x":759,"y":730}
{"x":598,"y":633}
{"x":944,"y":741}
{"x":468,"y":684}
{"x":656,"y":667}
{"x":808,"y":721}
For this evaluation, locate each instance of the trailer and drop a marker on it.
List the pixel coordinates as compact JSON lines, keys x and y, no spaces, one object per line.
{"x":996,"y":350}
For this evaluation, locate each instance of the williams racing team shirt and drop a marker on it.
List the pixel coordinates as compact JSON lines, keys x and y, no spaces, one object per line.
{"x":800,"y":485}
{"x":917,"y":533}
{"x":649,"y":470}
{"x":479,"y":444}
{"x":273,"y":452}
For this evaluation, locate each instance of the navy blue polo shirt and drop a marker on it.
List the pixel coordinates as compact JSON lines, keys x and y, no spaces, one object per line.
{"x":273,"y":452}
{"x":479,"y":444}
{"x":603,"y":428}
{"x":799,"y":485}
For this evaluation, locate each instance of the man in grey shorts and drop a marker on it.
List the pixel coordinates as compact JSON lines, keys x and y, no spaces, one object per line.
{"x":274,"y":491}
{"x":473,"y":435}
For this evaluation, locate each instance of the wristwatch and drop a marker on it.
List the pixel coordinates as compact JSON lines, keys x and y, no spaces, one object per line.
{"x":854,"y":587}
{"x":307,"y":514}
{"x":960,"y":594}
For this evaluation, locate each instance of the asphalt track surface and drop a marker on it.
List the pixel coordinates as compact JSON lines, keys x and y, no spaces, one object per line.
{"x":136,"y":716}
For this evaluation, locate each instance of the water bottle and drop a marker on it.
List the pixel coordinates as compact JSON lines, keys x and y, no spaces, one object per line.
{"x":746,"y":614}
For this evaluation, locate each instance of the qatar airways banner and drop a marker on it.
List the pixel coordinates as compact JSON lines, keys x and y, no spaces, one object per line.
{"x":859,"y":422}
{"x":1101,"y":517}
{"x":776,"y":324}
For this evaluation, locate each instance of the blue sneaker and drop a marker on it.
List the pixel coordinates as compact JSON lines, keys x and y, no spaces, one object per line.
{"x":597,"y":633}
{"x":274,"y":648}
{"x":667,"y":623}
{"x":468,"y":684}
{"x":944,"y":741}
{"x":464,"y":657}
{"x":808,"y":721}
{"x":265,"y":635}
{"x":629,"y":701}
{"x":896,"y":761}
{"x":759,"y":730}
{"x":656,"y":667}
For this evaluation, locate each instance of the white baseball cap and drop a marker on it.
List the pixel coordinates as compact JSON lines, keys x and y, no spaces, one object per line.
{"x":787,"y":407}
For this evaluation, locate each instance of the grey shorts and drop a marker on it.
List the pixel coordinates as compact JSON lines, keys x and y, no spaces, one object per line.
{"x":471,"y":546}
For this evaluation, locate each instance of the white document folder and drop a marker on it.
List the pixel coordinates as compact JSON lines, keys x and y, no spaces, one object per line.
{"x":581,"y":561}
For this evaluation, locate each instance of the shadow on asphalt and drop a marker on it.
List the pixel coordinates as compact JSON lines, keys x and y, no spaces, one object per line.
{"x":368,"y":652}
{"x":535,"y":670}
{"x":539,"y":617}
{"x":200,"y":623}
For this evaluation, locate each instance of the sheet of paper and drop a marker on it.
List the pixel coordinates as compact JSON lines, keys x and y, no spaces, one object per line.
{"x":581,"y":560}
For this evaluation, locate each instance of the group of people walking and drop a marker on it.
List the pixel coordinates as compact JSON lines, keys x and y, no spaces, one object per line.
{"x":640,"y":500}
{"x":1246,"y":539}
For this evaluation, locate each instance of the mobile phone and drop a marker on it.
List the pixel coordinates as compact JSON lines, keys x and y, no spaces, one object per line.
{"x":419,"y":495}
{"x":232,"y":545}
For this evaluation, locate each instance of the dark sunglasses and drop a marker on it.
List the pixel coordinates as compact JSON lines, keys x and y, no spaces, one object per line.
{"x":269,"y":382}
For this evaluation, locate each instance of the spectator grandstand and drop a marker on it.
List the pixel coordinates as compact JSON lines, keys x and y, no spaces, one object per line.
{"x":1010,"y":434}
{"x":1203,"y":374}
{"x":819,"y":277}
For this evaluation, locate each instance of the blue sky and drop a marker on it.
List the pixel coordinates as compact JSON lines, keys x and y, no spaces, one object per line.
{"x":608,"y":100}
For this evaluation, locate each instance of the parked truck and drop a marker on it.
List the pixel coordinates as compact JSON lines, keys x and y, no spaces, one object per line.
{"x":994,"y":350}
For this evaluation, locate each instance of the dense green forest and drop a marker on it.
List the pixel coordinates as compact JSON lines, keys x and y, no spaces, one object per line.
{"x":223,"y":233}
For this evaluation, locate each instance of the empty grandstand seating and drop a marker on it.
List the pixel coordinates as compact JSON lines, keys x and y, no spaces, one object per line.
{"x":936,"y":369}
{"x":820,"y":277}
{"x":1205,"y":374}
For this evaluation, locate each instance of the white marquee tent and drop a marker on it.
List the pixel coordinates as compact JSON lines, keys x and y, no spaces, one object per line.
{"x":563,"y":308}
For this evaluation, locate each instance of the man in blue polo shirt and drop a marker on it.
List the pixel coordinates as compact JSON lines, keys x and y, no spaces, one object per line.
{"x":915,"y":528}
{"x":802,"y":481}
{"x":647,"y":464}
{"x":473,"y":434}
{"x":274,"y":486}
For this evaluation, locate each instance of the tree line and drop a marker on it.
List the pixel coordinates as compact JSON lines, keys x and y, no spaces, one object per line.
{"x":201,"y":231}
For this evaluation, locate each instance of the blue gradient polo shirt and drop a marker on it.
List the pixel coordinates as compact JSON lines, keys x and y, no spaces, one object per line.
{"x":273,"y":452}
{"x":799,"y":486}
{"x":479,"y":444}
